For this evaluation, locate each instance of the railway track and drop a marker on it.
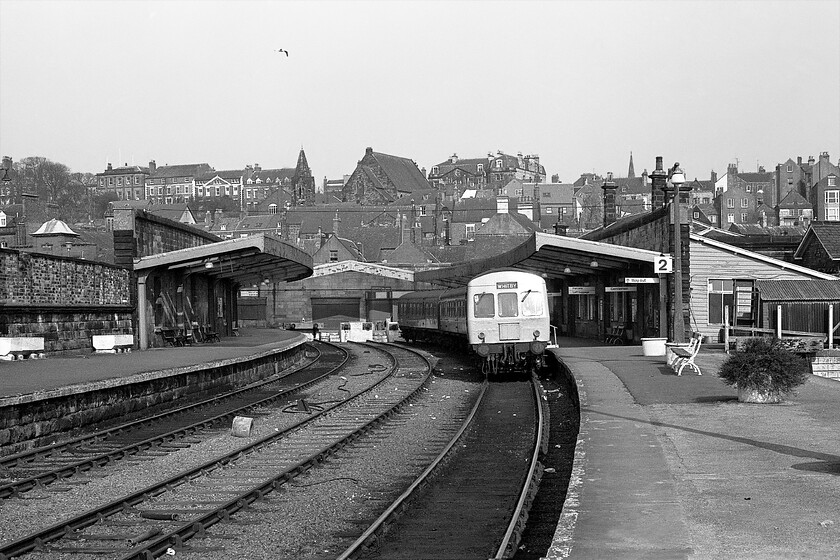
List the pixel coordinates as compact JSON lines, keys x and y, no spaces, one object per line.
{"x":164,"y":432}
{"x":473,"y":500}
{"x":148,"y":522}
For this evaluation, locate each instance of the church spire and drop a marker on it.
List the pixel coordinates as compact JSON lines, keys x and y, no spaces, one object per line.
{"x":303,"y":183}
{"x":631,"y":173}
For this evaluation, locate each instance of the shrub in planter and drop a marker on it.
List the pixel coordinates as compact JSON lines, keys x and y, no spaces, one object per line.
{"x":764,"y":371}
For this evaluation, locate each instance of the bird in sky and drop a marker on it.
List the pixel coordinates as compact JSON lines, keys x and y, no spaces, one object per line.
{"x":282,"y":51}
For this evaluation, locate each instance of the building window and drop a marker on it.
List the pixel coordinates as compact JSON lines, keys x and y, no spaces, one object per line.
{"x":832,"y":197}
{"x":832,"y":214}
{"x":743,"y":217}
{"x":548,"y":210}
{"x":790,"y":168}
{"x":745,"y":203}
{"x":435,"y":170}
{"x":713,"y":219}
{"x":730,"y":203}
{"x":730,"y":218}
{"x":469,"y":231}
{"x":832,"y":181}
{"x":736,"y":295}
{"x":2,"y":220}
{"x":697,"y":215}
{"x":102,"y":181}
{"x":422,"y":210}
{"x":749,"y":188}
{"x":333,"y":255}
{"x":498,"y":164}
{"x":480,"y":168}
{"x":110,"y":181}
{"x":272,"y":208}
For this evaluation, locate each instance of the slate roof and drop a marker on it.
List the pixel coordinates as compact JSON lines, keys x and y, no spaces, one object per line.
{"x":284,"y":174}
{"x":828,"y":234}
{"x":227,"y":174}
{"x":403,"y":172}
{"x":756,"y":229}
{"x":125,"y":170}
{"x":764,"y":177}
{"x":184,"y":170}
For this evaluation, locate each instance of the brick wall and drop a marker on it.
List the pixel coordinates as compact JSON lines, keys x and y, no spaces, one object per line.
{"x":62,"y":299}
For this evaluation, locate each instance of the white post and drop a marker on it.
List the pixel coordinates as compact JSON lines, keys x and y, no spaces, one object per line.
{"x":779,"y":321}
{"x":726,"y":328}
{"x":830,"y":326}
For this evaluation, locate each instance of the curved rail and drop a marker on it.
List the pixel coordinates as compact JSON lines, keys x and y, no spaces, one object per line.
{"x":369,"y":541}
{"x":97,"y":459}
{"x":510,"y":541}
{"x":154,"y":545}
{"x":378,"y":526}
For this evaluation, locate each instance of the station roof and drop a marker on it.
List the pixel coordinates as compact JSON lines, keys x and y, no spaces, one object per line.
{"x":246,"y":260}
{"x":549,"y":254}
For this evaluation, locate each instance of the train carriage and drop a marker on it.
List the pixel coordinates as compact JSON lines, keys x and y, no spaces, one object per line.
{"x":502,"y":315}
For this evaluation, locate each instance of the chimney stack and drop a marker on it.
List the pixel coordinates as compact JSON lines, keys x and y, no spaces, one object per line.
{"x":501,"y":205}
{"x":152,"y":167}
{"x":658,"y":184}
{"x":110,"y":167}
{"x":609,"y":200}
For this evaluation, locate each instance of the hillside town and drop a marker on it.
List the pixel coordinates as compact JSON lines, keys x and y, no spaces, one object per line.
{"x":391,"y":210}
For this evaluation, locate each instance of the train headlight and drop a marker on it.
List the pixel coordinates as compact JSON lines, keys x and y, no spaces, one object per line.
{"x":536,"y":334}
{"x":481,"y":336}
{"x":537,"y":347}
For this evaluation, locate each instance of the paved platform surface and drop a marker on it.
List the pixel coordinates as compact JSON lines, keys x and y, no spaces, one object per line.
{"x":25,"y":377}
{"x":676,"y":467}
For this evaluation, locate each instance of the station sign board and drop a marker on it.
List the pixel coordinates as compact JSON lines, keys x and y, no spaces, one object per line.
{"x":609,"y":289}
{"x":631,"y":280}
{"x":581,"y":290}
{"x":663,"y":264}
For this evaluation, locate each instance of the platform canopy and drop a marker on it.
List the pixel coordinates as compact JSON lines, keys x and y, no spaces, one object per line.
{"x":247,"y":260}
{"x":554,"y":256}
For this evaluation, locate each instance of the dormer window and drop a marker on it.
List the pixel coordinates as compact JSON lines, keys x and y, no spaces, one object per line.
{"x":435,"y":170}
{"x":272,"y":208}
{"x":480,"y":168}
{"x":832,"y":181}
{"x":498,"y":164}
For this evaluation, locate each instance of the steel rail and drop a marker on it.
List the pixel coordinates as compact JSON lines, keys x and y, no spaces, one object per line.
{"x":380,"y":523}
{"x":175,"y":538}
{"x":36,"y":541}
{"x":532,"y":482}
{"x":13,"y":489}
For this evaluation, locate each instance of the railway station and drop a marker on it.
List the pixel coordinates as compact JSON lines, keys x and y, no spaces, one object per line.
{"x":653,"y":464}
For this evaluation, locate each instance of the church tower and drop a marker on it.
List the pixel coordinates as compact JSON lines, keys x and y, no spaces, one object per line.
{"x":631,"y":173}
{"x":303,"y":183}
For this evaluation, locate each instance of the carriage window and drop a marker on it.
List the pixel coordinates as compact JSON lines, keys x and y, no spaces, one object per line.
{"x":484,"y":305}
{"x":532,"y":304}
{"x":508,"y":304}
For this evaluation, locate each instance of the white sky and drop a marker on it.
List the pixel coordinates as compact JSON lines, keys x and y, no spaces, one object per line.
{"x":582,"y":84}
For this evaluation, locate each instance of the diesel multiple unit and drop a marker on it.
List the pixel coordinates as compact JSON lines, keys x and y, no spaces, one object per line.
{"x":502,"y":315}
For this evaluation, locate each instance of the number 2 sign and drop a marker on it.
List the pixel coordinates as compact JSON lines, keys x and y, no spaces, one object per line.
{"x":663,"y":264}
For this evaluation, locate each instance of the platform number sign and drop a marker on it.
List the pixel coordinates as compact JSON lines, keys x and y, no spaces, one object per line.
{"x":663,"y":264}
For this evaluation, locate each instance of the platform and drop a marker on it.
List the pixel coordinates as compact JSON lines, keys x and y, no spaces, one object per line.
{"x":674,"y":467}
{"x":25,"y":377}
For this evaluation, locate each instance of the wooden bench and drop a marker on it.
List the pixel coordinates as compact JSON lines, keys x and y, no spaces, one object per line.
{"x":615,"y":336}
{"x":209,"y":335}
{"x":685,"y":356}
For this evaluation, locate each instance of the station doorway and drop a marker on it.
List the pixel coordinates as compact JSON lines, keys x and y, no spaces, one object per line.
{"x":334,"y":311}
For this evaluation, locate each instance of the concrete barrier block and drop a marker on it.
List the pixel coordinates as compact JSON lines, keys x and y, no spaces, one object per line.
{"x":21,"y":347}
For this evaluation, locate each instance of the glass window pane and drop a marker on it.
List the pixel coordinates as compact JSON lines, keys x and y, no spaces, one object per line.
{"x":484,"y":305}
{"x":508,"y":304}
{"x":532,"y":304}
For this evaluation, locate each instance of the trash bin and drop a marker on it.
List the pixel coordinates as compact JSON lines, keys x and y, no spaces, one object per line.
{"x":653,"y":346}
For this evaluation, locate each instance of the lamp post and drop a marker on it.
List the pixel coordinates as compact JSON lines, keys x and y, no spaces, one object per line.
{"x":677,"y":180}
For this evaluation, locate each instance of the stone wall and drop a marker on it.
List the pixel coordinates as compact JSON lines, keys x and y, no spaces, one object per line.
{"x":27,"y":422}
{"x":62,"y":299}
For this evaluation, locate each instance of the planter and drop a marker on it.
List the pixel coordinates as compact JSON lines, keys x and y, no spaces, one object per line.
{"x":653,"y":346}
{"x":761,"y":396}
